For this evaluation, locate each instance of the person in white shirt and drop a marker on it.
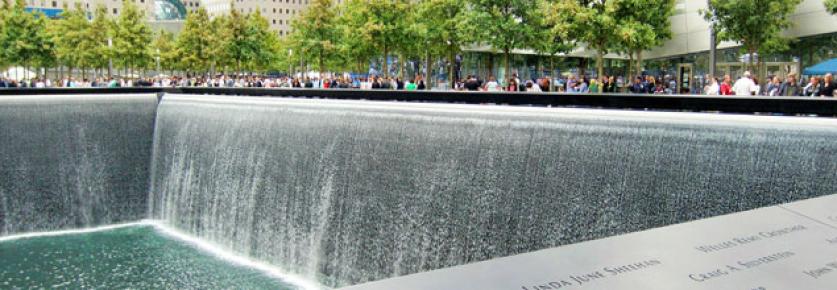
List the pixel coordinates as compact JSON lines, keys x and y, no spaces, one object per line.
{"x":745,"y":86}
{"x":492,"y":85}
{"x":713,"y":89}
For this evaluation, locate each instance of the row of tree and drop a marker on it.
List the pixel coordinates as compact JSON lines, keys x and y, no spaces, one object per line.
{"x":85,"y":40}
{"x":349,"y":35}
{"x":338,"y":37}
{"x":229,"y":43}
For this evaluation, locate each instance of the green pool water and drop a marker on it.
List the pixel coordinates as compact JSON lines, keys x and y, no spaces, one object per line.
{"x":135,"y":257}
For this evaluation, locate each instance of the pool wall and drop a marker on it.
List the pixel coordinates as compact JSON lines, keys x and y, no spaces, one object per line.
{"x":74,"y":161}
{"x":349,"y":191}
{"x":346,"y":192}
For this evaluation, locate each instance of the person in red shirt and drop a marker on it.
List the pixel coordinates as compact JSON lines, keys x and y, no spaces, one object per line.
{"x":726,"y":88}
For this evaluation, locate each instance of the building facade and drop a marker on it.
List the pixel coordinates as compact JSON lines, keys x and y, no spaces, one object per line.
{"x":279,"y":13}
{"x":53,"y":8}
{"x":685,"y":57}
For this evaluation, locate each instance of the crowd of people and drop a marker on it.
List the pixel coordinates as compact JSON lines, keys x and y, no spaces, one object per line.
{"x":746,"y":85}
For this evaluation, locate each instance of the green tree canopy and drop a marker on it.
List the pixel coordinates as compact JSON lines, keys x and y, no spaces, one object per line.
{"x":756,"y":24}
{"x":234,"y":41}
{"x":831,"y":5}
{"x":131,"y":38}
{"x":164,"y":50}
{"x":96,"y":47}
{"x":24,"y":38}
{"x":315,"y":31}
{"x":193,"y":45}
{"x":640,"y":28}
{"x":593,"y":22}
{"x":260,"y":43}
{"x":554,"y":35}
{"x":503,"y":24}
{"x":69,"y":34}
{"x":355,"y":44}
{"x":377,"y":23}
{"x":439,"y":24}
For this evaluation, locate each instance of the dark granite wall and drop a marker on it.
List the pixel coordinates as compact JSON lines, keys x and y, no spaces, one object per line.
{"x":74,"y":161}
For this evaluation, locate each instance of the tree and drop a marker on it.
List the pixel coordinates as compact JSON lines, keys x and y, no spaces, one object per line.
{"x":594,"y":22}
{"x":640,"y":28}
{"x":68,"y":33}
{"x":831,"y":5}
{"x":164,"y":50}
{"x":97,"y":51}
{"x":234,"y":32}
{"x":193,"y":45}
{"x":554,"y":34}
{"x":437,"y":22}
{"x":316,"y":32}
{"x":380,"y":23}
{"x":756,"y":24}
{"x":259,"y":43}
{"x":354,"y":45}
{"x":217,"y":54}
{"x":503,"y":24}
{"x":131,"y":38}
{"x":25,"y":39}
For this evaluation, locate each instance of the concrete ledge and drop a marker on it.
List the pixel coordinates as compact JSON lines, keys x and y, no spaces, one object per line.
{"x":727,"y":104}
{"x":792,"y":246}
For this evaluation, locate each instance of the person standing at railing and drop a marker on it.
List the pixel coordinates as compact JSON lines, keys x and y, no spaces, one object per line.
{"x":712,"y":89}
{"x":513,"y":86}
{"x":774,"y":88}
{"x":594,"y":86}
{"x":790,"y":88}
{"x":828,"y":86}
{"x":813,"y":87}
{"x":491,"y":85}
{"x":745,"y":86}
{"x":638,"y":87}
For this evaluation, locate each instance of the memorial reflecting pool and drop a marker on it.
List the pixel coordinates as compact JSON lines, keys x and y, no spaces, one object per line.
{"x":339,"y":193}
{"x":132,"y":257}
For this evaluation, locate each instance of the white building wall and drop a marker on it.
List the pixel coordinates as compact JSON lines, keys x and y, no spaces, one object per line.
{"x":691,"y":32}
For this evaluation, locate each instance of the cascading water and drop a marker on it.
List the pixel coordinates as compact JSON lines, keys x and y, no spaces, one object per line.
{"x":348,"y":191}
{"x":73,"y":161}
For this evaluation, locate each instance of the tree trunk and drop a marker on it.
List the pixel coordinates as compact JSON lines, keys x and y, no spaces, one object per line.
{"x":540,"y":67}
{"x":451,"y":76}
{"x":639,"y":62}
{"x":401,"y":66}
{"x":507,"y":54}
{"x":599,"y":62}
{"x":552,"y":72}
{"x":320,"y":66}
{"x":428,"y":70}
{"x":630,"y":71}
{"x":386,"y":66}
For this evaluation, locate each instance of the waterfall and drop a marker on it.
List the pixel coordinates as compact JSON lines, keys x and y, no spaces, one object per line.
{"x":353,"y":191}
{"x":73,"y":161}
